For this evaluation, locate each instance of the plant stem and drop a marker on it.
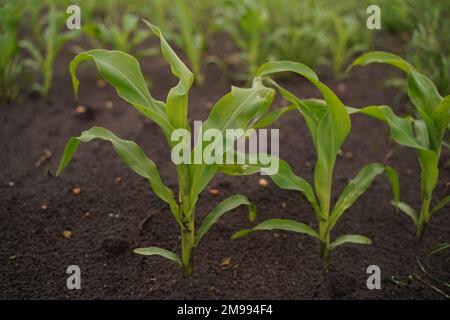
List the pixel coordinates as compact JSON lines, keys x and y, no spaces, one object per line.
{"x":325,"y":241}
{"x":424,"y":217}
{"x":187,"y":244}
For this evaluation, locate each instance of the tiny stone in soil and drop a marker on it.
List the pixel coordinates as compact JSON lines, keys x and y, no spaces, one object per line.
{"x":80,"y":109}
{"x":67,"y":234}
{"x":348,"y":155}
{"x":214,"y":191}
{"x":263,"y":182}
{"x":76,"y":190}
{"x":109,"y":104}
{"x":226,"y":261}
{"x":101,"y":83}
{"x":342,"y":87}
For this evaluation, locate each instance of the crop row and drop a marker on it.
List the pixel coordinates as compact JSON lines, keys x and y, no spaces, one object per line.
{"x":325,"y":32}
{"x":328,"y":121}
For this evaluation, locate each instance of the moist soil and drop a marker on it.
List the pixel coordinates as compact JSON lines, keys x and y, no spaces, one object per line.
{"x":116,"y":210}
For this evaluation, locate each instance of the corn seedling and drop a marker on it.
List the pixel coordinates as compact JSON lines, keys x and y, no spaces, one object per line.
{"x":329,"y":125}
{"x":10,"y":63}
{"x":124,"y":36}
{"x":234,"y":110}
{"x":298,"y":25}
{"x":247,"y":24}
{"x":348,"y":40}
{"x":425,"y":134}
{"x":192,"y":32}
{"x":49,"y":38}
{"x":429,"y":48}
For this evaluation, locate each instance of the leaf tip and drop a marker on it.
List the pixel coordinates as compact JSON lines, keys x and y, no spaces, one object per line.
{"x":240,"y":234}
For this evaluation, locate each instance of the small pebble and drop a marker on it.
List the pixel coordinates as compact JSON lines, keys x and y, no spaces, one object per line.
{"x":226,"y":261}
{"x":67,"y":234}
{"x":119,"y":179}
{"x":101,"y":83}
{"x":76,"y":190}
{"x":214,"y":192}
{"x":348,"y":155}
{"x":283,"y":204}
{"x":80,"y":109}
{"x":209,"y":105}
{"x":342,"y":87}
{"x":44,"y":206}
{"x":87,"y":214}
{"x":109,"y":104}
{"x":263,"y":182}
{"x":12,"y":257}
{"x":11,"y":184}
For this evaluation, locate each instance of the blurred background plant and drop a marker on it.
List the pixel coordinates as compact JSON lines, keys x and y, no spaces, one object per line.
{"x":48,"y":37}
{"x":423,"y":27}
{"x":123,"y":35}
{"x":237,"y":35}
{"x":10,"y":63}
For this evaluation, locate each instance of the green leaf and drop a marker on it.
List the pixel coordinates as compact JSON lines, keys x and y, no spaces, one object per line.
{"x":272,"y":117}
{"x":401,"y":128}
{"x":355,"y":188}
{"x":131,"y":154}
{"x":284,"y":178}
{"x":279,"y":224}
{"x":392,"y":176}
{"x":441,"y":115}
{"x":151,"y":251}
{"x":235,"y":110}
{"x":332,"y":129}
{"x":223,"y":207}
{"x":122,"y":71}
{"x":350,"y":238}
{"x":429,"y":172}
{"x":383,"y":57}
{"x":423,"y":93}
{"x":440,"y":205}
{"x":177,"y":99}
{"x":410,"y":212}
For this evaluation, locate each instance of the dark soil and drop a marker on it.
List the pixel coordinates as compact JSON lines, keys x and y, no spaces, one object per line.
{"x":125,"y":214}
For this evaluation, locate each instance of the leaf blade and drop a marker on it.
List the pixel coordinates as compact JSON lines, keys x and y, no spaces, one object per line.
{"x":131,"y":154}
{"x":226,"y":205}
{"x":151,"y":251}
{"x":279,"y":224}
{"x":350,"y":238}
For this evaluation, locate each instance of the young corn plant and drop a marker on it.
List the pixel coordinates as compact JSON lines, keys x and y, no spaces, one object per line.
{"x":247,"y":24}
{"x":235,"y":110}
{"x":124,"y":36}
{"x":193,"y":30}
{"x":10,"y":63}
{"x":349,"y":39}
{"x":49,"y":38}
{"x":298,"y":25}
{"x":425,"y":133}
{"x":329,"y":125}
